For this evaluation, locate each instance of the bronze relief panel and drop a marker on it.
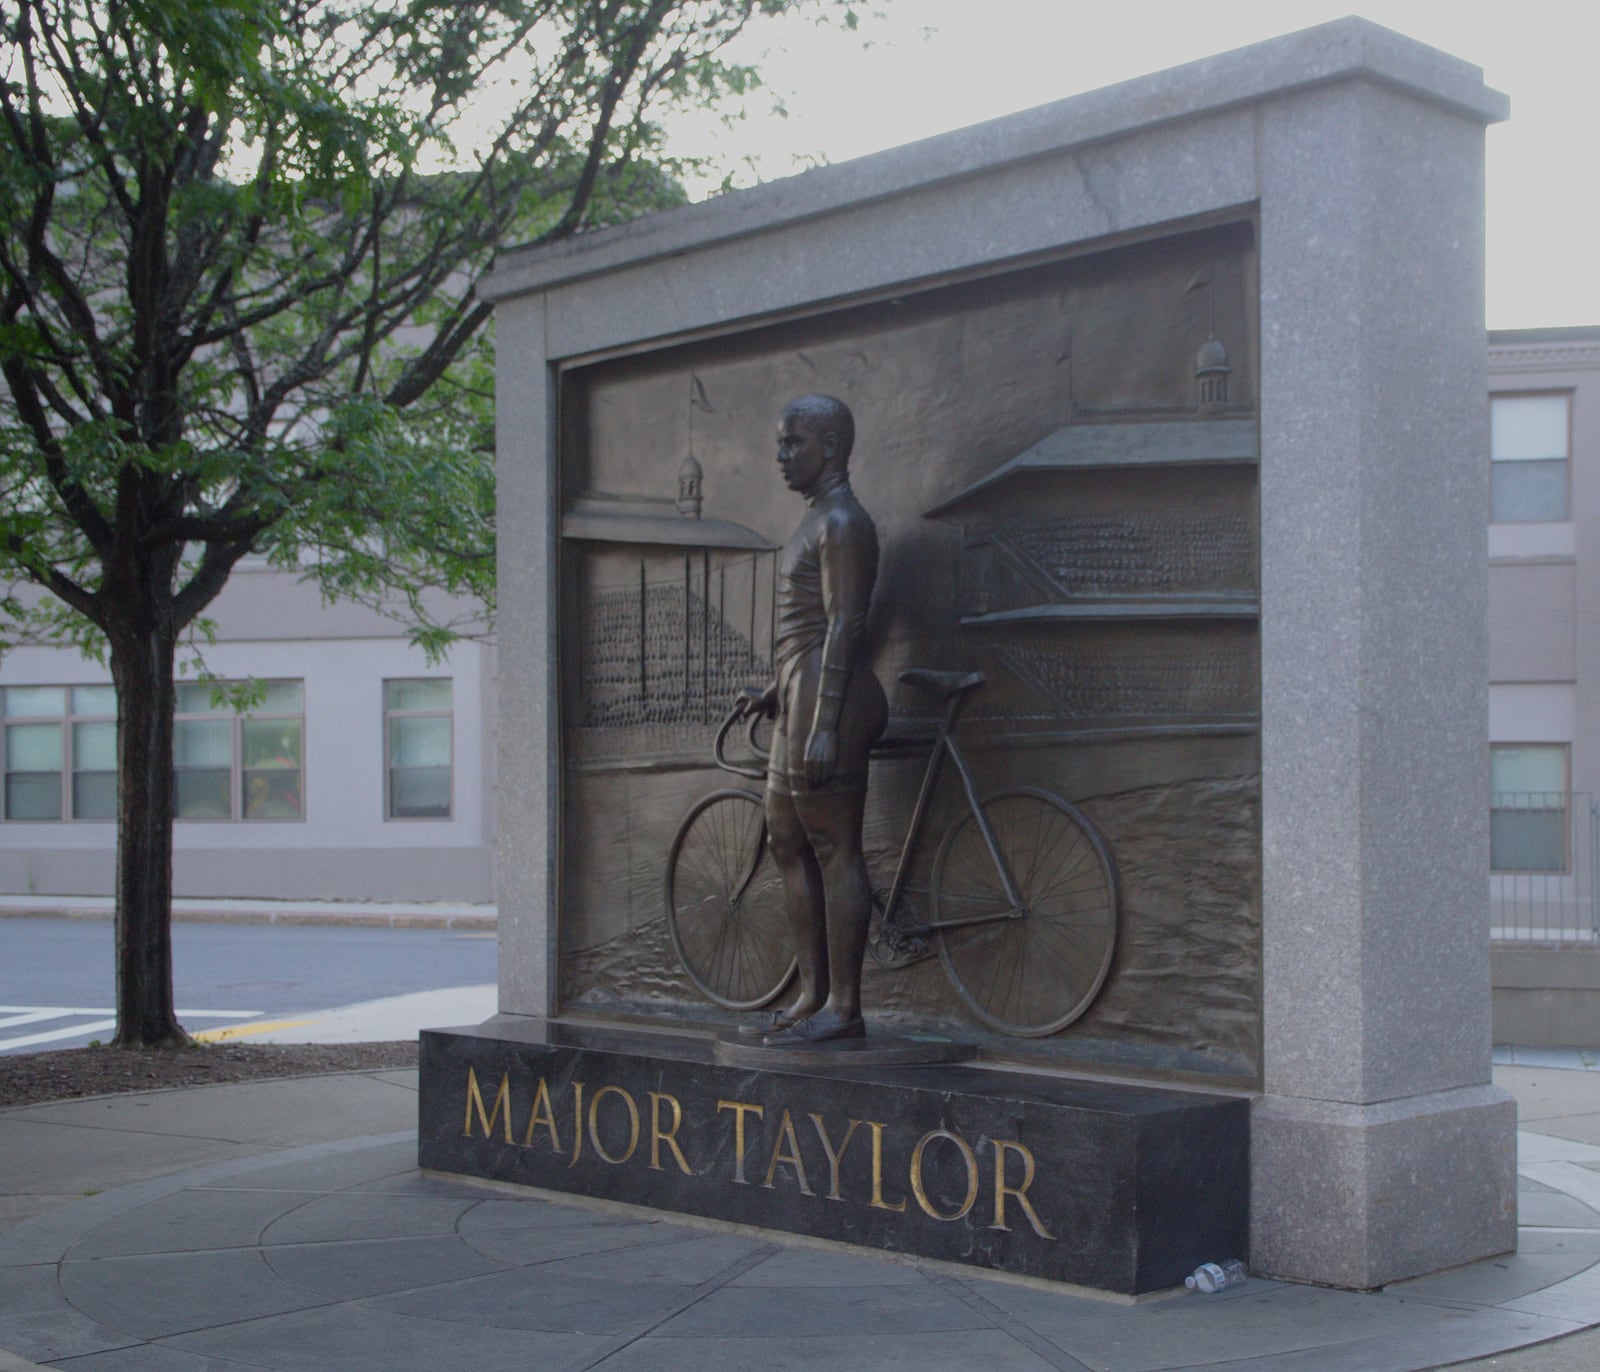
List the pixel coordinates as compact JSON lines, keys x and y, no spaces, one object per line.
{"x":1060,"y":462}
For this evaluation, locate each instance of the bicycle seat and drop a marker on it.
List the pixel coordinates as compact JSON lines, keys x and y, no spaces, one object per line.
{"x":945,"y":685}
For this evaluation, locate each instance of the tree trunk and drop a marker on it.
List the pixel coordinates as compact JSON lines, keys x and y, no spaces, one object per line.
{"x":142,"y":662}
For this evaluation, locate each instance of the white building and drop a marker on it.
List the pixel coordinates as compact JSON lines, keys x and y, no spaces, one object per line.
{"x":1544,"y":673}
{"x":363,"y":772}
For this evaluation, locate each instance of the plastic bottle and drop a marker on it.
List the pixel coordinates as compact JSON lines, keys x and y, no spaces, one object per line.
{"x":1213,"y":1276}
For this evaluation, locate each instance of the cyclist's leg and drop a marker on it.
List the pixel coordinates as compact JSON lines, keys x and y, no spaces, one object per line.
{"x":831,"y":817}
{"x":804,"y":895}
{"x":833,"y":828}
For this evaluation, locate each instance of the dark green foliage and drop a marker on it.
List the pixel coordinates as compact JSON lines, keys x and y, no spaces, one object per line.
{"x":237,"y":246}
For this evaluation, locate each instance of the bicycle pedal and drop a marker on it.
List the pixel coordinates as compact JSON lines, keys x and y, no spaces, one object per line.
{"x":892,"y":949}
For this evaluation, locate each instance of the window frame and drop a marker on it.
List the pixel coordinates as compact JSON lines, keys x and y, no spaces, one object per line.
{"x":1565,"y":750}
{"x":236,"y":769}
{"x":389,"y":715}
{"x":1565,"y":393}
{"x":66,"y":721}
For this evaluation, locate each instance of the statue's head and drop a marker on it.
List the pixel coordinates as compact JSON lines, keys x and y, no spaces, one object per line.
{"x":816,"y":436}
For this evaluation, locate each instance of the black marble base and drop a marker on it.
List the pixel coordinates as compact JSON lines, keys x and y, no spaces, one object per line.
{"x":874,"y":1050}
{"x":1118,"y":1187}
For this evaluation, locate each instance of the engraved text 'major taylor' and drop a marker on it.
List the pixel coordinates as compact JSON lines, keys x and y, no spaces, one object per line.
{"x":862,"y":1159}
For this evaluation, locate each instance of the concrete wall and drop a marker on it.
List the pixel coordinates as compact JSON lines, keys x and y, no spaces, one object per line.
{"x":1547,"y":997}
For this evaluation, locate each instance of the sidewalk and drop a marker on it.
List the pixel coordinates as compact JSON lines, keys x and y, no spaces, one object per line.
{"x":283,"y":1225}
{"x":424,"y":914}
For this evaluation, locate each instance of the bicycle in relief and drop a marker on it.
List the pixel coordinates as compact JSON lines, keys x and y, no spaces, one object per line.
{"x":1022,"y":900}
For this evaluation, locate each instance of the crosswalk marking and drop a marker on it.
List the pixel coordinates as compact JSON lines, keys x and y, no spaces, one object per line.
{"x":72,"y":1031}
{"x":27,"y":1017}
{"x":90,"y":1020}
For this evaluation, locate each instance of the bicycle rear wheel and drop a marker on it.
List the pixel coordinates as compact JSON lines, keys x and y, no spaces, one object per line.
{"x":1032,"y":975}
{"x":725,"y":906}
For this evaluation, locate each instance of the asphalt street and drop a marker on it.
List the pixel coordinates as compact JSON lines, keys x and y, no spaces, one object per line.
{"x":55,"y":974}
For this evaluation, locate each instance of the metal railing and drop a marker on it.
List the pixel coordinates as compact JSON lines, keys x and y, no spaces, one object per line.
{"x":1544,"y":882}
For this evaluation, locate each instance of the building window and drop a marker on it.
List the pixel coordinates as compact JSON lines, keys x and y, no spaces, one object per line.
{"x":1528,"y":807}
{"x":229,"y":764}
{"x":1529,"y":444}
{"x":60,"y":752}
{"x":418,"y":747}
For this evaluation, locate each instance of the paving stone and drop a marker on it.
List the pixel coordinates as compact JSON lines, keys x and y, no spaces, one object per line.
{"x":415,"y":1183}
{"x":524,"y":1247}
{"x":15,"y":1209}
{"x":792,"y":1267}
{"x":1559,"y":1241}
{"x":537,"y":1298}
{"x":336,"y":1171}
{"x":375,"y":1267}
{"x":45,"y":1157}
{"x":1541,"y":1145}
{"x":1576,"y":1299}
{"x":1540,"y":1210}
{"x":1570,"y":1177}
{"x":544,"y":1214}
{"x":1039,"y":1308}
{"x":363,"y":1215}
{"x":986,"y":1349}
{"x":1195,"y":1329}
{"x":1584,"y":1129}
{"x":46,"y":1335}
{"x":862,"y":1311}
{"x":1480,"y":1334}
{"x":155,"y":1296}
{"x":1549,"y":1059}
{"x":150,"y":1357}
{"x":399,"y":1076}
{"x":1496,"y":1280}
{"x":188,"y":1221}
{"x":273,"y":1114}
{"x":38,"y":1322}
{"x":346,"y":1338}
{"x":687,"y":1262}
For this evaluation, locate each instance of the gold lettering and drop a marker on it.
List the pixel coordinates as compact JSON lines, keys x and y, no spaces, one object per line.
{"x":877,"y":1202}
{"x":1001,"y":1190}
{"x":786,"y":1131}
{"x":502,"y":1101}
{"x":633,"y":1123}
{"x":834,"y":1157}
{"x":577,"y":1123}
{"x":739,"y":1109}
{"x":659,"y":1136}
{"x":542,"y":1114}
{"x":967,"y":1157}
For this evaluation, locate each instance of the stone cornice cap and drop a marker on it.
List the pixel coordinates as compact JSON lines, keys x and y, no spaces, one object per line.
{"x":1343,"y":50}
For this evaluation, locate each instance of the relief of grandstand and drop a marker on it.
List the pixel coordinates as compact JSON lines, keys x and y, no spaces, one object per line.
{"x":1109,"y":573}
{"x":674,"y":616}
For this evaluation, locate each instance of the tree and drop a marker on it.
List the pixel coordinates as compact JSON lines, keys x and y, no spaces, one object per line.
{"x":237,"y":243}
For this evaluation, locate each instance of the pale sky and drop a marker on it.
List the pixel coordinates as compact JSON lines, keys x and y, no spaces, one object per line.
{"x":935,"y":65}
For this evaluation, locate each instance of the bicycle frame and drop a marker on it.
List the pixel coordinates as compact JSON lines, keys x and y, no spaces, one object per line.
{"x":945,"y":743}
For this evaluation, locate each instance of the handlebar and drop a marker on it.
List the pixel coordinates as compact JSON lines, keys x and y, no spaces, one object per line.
{"x":741,"y":710}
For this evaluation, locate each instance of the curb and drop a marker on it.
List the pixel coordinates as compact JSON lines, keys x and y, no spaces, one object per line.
{"x":487,"y":921}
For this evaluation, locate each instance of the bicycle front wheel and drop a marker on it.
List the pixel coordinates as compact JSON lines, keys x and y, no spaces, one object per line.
{"x":1034,"y":973}
{"x":725,"y":906}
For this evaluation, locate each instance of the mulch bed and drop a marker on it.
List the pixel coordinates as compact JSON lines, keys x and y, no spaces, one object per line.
{"x":33,"y":1078}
